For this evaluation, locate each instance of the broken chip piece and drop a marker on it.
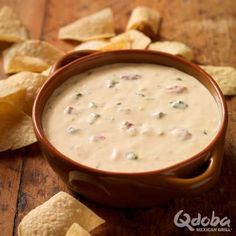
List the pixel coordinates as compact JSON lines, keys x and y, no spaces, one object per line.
{"x":92,"y":45}
{"x":11,"y":28}
{"x":55,"y":216}
{"x":30,"y":55}
{"x":16,"y":128}
{"x":21,"y":89}
{"x":137,"y":39}
{"x":47,"y":72}
{"x":119,"y":45}
{"x":13,"y":95}
{"x":173,"y":47}
{"x":77,"y":230}
{"x":225,"y":77}
{"x":103,"y":45}
{"x":145,"y":20}
{"x":99,"y":25}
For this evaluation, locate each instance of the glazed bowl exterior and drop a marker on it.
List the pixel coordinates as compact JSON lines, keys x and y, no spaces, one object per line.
{"x":143,"y":189}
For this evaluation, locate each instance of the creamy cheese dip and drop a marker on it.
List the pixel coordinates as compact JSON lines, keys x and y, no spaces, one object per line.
{"x":131,"y":117}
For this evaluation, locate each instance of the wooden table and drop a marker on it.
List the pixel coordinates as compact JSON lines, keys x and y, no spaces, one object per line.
{"x":209,"y":27}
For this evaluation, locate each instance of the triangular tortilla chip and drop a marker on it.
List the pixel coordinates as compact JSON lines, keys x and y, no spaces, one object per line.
{"x":103,"y":45}
{"x":145,"y":20}
{"x":92,"y":45}
{"x":46,"y":72}
{"x":16,"y":128}
{"x":173,"y":47}
{"x":77,"y":230}
{"x":225,"y":77}
{"x":11,"y":28}
{"x":55,"y":216}
{"x":14,"y":95}
{"x":30,"y":82}
{"x":96,"y":26}
{"x":138,"y":40}
{"x":123,"y":44}
{"x":30,"y":55}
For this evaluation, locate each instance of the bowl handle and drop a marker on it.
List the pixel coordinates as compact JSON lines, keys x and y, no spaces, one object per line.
{"x":201,"y":182}
{"x":70,"y":57}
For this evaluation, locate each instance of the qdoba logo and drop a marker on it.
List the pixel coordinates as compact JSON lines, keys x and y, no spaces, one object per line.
{"x":202,"y":224}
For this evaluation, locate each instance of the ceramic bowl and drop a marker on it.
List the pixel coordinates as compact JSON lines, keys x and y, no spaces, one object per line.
{"x":193,"y":176}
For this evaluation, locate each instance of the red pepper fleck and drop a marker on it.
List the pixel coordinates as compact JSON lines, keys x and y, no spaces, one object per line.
{"x":68,"y":110}
{"x":128,"y":125}
{"x":97,"y":138}
{"x":175,"y":89}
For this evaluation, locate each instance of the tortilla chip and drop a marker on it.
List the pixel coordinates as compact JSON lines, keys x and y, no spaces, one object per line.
{"x":28,"y":81}
{"x":16,"y":128}
{"x":11,"y":28}
{"x":77,"y":230}
{"x":96,"y":26}
{"x":55,"y":217}
{"x":47,"y":72}
{"x":13,"y":95}
{"x":125,"y":44}
{"x":30,"y":55}
{"x":91,"y":45}
{"x":138,"y":40}
{"x":105,"y":45}
{"x":224,"y":76}
{"x":173,"y":47}
{"x":145,"y":20}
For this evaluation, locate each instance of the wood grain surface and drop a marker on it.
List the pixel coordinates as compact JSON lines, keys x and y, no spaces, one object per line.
{"x":209,"y":27}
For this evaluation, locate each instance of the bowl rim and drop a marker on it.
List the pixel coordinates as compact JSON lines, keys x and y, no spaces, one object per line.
{"x":41,"y":136}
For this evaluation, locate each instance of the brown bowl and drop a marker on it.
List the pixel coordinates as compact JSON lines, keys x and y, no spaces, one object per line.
{"x":190,"y":177}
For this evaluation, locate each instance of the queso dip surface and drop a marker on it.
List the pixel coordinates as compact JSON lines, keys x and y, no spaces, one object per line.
{"x":131,"y":117}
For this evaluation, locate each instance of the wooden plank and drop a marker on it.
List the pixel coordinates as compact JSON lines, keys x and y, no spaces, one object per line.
{"x":38,"y":183}
{"x":11,"y":163}
{"x":10,"y":173}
